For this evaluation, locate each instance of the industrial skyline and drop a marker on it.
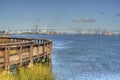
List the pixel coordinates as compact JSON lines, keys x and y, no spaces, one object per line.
{"x":65,"y":31}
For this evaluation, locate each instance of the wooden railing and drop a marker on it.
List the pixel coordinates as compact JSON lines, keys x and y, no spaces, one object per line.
{"x":19,"y":50}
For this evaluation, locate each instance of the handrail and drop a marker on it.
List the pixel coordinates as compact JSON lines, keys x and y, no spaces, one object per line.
{"x":28,"y":40}
{"x":18,"y":50}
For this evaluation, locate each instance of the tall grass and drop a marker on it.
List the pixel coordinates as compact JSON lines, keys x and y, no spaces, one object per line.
{"x":38,"y":71}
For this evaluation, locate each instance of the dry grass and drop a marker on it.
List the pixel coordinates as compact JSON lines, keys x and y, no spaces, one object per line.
{"x":36,"y":72}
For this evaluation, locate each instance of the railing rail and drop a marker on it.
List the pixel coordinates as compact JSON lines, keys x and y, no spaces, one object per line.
{"x":17,"y":50}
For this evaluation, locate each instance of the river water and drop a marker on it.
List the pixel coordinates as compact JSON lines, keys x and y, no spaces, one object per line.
{"x":84,"y":57}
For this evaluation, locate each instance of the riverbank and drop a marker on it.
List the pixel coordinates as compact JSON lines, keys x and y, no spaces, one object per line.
{"x":39,"y":71}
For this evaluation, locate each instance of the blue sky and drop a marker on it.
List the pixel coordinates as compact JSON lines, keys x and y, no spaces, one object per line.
{"x":23,"y":14}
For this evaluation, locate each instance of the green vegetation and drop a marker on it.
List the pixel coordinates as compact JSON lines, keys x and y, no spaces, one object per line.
{"x":39,"y":71}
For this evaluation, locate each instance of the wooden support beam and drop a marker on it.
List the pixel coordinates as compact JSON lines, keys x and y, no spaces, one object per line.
{"x":43,"y":48}
{"x":31,"y":53}
{"x":50,"y":48}
{"x":20,"y":55}
{"x":38,"y":51}
{"x":47,"y":48}
{"x":6,"y":58}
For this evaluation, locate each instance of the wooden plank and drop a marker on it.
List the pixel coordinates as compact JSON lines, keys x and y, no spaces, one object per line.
{"x":26,"y":50}
{"x":20,"y":55}
{"x":31,"y":53}
{"x":6,"y":57}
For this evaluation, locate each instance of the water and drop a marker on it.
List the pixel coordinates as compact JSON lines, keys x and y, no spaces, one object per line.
{"x":84,"y":57}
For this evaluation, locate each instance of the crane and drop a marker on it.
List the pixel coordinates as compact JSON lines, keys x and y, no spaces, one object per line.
{"x":36,"y":25}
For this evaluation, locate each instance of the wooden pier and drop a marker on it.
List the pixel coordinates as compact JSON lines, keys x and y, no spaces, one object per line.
{"x":16,"y":51}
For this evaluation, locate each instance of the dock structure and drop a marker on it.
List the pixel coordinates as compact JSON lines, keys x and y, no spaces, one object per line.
{"x":17,"y":51}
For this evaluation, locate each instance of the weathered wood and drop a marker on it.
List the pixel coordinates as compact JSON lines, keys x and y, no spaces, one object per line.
{"x":43,"y":48}
{"x":38,"y":50}
{"x":19,"y":50}
{"x":20,"y":55}
{"x":31,"y":53}
{"x":6,"y":57}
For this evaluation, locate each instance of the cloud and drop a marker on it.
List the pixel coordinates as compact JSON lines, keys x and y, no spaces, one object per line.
{"x":118,"y":14}
{"x":102,"y":12}
{"x":83,"y":20}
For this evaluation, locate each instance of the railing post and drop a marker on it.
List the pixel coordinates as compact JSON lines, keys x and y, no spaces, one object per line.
{"x":20,"y":55}
{"x":47,"y":47}
{"x":43,"y":48}
{"x":31,"y":53}
{"x":38,"y":50}
{"x":50,"y":47}
{"x":6,"y":58}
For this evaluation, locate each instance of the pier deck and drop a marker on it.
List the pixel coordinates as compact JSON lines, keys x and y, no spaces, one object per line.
{"x":19,"y":50}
